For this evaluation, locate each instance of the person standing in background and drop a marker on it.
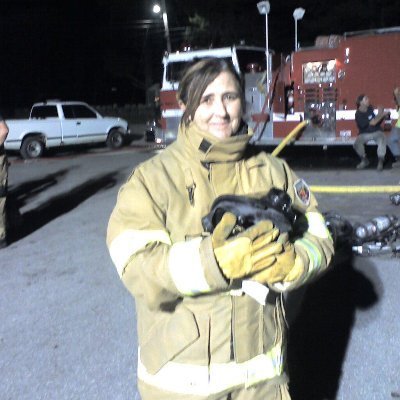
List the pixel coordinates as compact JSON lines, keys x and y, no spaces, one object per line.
{"x":3,"y":183}
{"x":394,"y":138}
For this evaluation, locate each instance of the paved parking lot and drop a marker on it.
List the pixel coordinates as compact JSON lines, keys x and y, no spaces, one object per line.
{"x":68,"y":324}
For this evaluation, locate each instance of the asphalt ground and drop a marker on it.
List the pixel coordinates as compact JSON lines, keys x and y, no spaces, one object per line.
{"x":68,"y":328}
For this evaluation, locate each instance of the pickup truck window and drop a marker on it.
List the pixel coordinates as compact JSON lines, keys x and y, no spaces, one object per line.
{"x":77,"y":111}
{"x":68,"y":112}
{"x":41,"y":112}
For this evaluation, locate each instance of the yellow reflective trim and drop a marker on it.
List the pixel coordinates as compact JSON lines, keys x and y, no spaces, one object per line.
{"x":313,"y":254}
{"x":189,"y":379}
{"x":316,"y":225}
{"x":186,"y":269}
{"x":126,"y":244}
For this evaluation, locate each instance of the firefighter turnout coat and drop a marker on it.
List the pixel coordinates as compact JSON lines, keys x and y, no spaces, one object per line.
{"x":199,"y":335}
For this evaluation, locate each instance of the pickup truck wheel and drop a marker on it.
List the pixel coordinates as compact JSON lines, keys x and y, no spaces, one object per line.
{"x":115,"y":139}
{"x":32,"y":147}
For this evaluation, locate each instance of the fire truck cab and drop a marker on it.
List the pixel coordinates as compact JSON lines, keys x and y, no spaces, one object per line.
{"x":249,"y":61}
{"x":319,"y":84}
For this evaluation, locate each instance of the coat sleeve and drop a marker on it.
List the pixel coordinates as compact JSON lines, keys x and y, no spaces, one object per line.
{"x":152,"y":267}
{"x":315,"y":248}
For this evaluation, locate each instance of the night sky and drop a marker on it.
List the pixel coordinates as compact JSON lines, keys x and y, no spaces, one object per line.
{"x":98,"y":50}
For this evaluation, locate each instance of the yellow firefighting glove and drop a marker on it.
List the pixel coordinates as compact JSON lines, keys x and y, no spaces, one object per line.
{"x":288,"y":267}
{"x":250,"y":251}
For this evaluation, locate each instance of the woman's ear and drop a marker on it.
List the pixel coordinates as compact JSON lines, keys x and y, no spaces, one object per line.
{"x":181,"y":105}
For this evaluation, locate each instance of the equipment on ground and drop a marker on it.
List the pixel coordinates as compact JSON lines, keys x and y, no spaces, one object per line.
{"x":377,"y":236}
{"x":395,"y":198}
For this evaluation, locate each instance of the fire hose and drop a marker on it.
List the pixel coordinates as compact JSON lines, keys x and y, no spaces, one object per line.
{"x":289,"y":137}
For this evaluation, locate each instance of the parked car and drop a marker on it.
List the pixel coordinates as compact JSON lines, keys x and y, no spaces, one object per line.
{"x":57,"y":123}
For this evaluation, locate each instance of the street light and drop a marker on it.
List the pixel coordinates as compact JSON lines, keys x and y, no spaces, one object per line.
{"x":263,"y":9}
{"x":157,"y":9}
{"x":298,"y":13}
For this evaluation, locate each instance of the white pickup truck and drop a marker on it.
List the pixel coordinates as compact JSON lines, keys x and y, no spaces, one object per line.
{"x":59,"y":123}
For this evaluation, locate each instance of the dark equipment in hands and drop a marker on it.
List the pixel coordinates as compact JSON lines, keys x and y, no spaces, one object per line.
{"x":275,"y":206}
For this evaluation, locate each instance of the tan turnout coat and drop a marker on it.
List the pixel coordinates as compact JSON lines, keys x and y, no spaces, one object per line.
{"x":157,"y":243}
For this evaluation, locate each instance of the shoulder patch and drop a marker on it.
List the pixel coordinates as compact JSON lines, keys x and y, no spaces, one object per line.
{"x":302,"y":191}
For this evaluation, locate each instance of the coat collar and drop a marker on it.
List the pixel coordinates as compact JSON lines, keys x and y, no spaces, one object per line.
{"x":208,"y":148}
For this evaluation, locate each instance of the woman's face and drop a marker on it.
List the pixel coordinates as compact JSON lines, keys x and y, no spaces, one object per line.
{"x":220,"y":108}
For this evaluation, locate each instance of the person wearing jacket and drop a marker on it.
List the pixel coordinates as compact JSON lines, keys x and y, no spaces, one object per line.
{"x":210,"y":306}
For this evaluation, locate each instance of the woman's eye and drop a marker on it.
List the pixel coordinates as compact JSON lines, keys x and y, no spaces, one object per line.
{"x":231,"y":96}
{"x":207,"y":100}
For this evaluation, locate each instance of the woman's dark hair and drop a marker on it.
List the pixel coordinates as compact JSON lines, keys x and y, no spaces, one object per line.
{"x":195,"y":80}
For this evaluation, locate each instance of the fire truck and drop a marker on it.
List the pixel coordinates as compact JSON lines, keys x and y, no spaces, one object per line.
{"x":319,"y":84}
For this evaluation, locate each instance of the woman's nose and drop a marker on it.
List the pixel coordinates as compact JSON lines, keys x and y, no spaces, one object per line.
{"x":220,"y":108}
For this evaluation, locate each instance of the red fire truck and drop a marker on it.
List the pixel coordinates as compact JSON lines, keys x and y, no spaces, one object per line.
{"x":319,"y":84}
